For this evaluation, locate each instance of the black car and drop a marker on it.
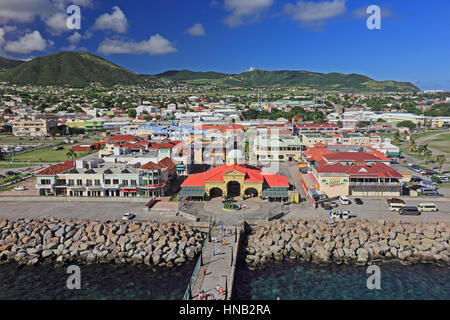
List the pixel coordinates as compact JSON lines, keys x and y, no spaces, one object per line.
{"x":358,"y":201}
{"x":416,"y":179}
{"x":410,"y":211}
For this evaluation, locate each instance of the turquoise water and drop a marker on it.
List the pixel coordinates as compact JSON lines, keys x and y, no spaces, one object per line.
{"x":307,"y":281}
{"x":101,"y":281}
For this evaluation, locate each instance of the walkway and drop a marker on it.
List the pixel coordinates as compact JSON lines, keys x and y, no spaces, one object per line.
{"x":218,"y":267}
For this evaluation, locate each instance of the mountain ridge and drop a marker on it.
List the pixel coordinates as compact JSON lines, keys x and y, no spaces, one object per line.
{"x":83,"y":68}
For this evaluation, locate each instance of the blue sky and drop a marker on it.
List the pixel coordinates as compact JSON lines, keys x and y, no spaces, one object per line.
{"x":232,"y":36}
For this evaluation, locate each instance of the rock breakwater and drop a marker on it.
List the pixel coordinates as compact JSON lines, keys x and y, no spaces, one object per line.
{"x":30,"y":241}
{"x":350,"y":242}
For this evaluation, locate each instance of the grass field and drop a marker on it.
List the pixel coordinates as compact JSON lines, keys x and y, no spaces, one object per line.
{"x":46,"y":155}
{"x":12,"y":166}
{"x":7,"y":139}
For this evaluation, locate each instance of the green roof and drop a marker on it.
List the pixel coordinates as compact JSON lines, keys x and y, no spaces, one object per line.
{"x":192,"y":191}
{"x":275,"y":192}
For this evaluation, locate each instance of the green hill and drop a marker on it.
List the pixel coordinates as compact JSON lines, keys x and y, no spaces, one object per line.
{"x":79,"y":69}
{"x":69,"y":68}
{"x":9,"y":63}
{"x":288,"y":78}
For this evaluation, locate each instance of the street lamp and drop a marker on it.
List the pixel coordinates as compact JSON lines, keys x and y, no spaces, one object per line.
{"x":226,"y":286}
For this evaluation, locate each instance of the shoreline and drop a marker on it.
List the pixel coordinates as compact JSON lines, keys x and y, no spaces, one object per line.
{"x":352,"y":242}
{"x":46,"y":241}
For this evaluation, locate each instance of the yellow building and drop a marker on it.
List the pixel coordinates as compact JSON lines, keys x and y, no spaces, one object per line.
{"x":236,"y":181}
{"x":34,"y":127}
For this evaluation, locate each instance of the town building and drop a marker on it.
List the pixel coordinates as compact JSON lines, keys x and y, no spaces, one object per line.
{"x":35,"y":126}
{"x":236,"y":181}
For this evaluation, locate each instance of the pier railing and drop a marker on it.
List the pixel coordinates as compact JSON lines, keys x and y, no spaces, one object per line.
{"x":188,"y":292}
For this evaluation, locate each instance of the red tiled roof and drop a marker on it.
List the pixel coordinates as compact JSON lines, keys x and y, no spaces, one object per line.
{"x":274,"y":180}
{"x":375,"y":170}
{"x":57,"y":168}
{"x":351,"y":156}
{"x":151,"y":166}
{"x":251,"y":175}
{"x":122,"y":138}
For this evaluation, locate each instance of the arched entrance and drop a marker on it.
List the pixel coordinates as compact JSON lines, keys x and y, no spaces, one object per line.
{"x":215,"y":192}
{"x":233,"y":189}
{"x":251,"y":192}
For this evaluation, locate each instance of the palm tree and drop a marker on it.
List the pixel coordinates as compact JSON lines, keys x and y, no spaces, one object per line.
{"x":427,"y":155}
{"x":71,"y":154}
{"x":440,"y":160}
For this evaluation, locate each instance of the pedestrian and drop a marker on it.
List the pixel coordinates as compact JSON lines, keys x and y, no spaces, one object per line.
{"x":204,"y":271}
{"x":221,"y":290}
{"x":201,"y":296}
{"x":224,"y":242}
{"x":218,"y":251}
{"x":217,"y":288}
{"x":212,"y":252}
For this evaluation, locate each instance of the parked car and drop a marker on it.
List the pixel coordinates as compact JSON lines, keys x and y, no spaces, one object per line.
{"x":443,"y":179}
{"x":128,"y":216}
{"x":344,"y":200}
{"x":410,"y":210}
{"x":416,"y":179}
{"x":395,"y":200}
{"x":358,"y":201}
{"x":431,"y":193}
{"x":415,"y":187}
{"x":20,"y":188}
{"x":428,"y":207}
{"x":340,"y":214}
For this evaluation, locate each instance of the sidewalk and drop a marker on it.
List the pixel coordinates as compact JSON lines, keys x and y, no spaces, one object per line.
{"x":216,"y":266}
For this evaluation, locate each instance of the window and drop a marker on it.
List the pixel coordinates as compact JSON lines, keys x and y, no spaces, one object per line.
{"x":116,"y":181}
{"x":79,"y":182}
{"x":71,"y":182}
{"x":107,"y":181}
{"x":89,"y":182}
{"x":97,"y":182}
{"x":125,"y":182}
{"x":133,"y":182}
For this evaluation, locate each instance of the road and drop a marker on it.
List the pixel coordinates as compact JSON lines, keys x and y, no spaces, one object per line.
{"x":374,"y":209}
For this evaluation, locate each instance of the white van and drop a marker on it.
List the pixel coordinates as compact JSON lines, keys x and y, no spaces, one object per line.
{"x":396,"y":207}
{"x":344,"y":200}
{"x":427,"y":207}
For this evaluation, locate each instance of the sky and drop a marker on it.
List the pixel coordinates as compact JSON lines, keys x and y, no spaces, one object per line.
{"x":233,"y":36}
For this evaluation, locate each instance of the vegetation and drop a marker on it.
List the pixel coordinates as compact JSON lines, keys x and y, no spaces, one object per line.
{"x":81,"y":69}
{"x":9,"y":63}
{"x":46,"y":155}
{"x":439,"y":110}
{"x":408,"y":124}
{"x":77,"y":69}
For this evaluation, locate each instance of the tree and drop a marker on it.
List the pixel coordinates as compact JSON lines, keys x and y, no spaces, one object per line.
{"x":408,"y":124}
{"x":132,"y":113}
{"x":340,"y":124}
{"x":441,"y":161}
{"x":71,"y":154}
{"x":427,"y":155}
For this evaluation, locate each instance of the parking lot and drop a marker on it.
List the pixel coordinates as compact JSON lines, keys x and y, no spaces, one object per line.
{"x":376,"y":208}
{"x":68,"y":209}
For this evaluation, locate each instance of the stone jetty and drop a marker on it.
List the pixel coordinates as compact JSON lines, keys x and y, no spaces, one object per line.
{"x":358,"y":242}
{"x":30,"y":241}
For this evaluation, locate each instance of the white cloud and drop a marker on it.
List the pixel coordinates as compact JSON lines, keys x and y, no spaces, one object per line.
{"x":251,"y":69}
{"x":156,"y":45}
{"x":196,"y":30}
{"x":315,"y":14}
{"x":116,"y":21}
{"x":247,"y":11}
{"x":25,"y":11}
{"x":57,"y":23}
{"x":73,"y":47}
{"x":28,"y":43}
{"x":75,"y":37}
